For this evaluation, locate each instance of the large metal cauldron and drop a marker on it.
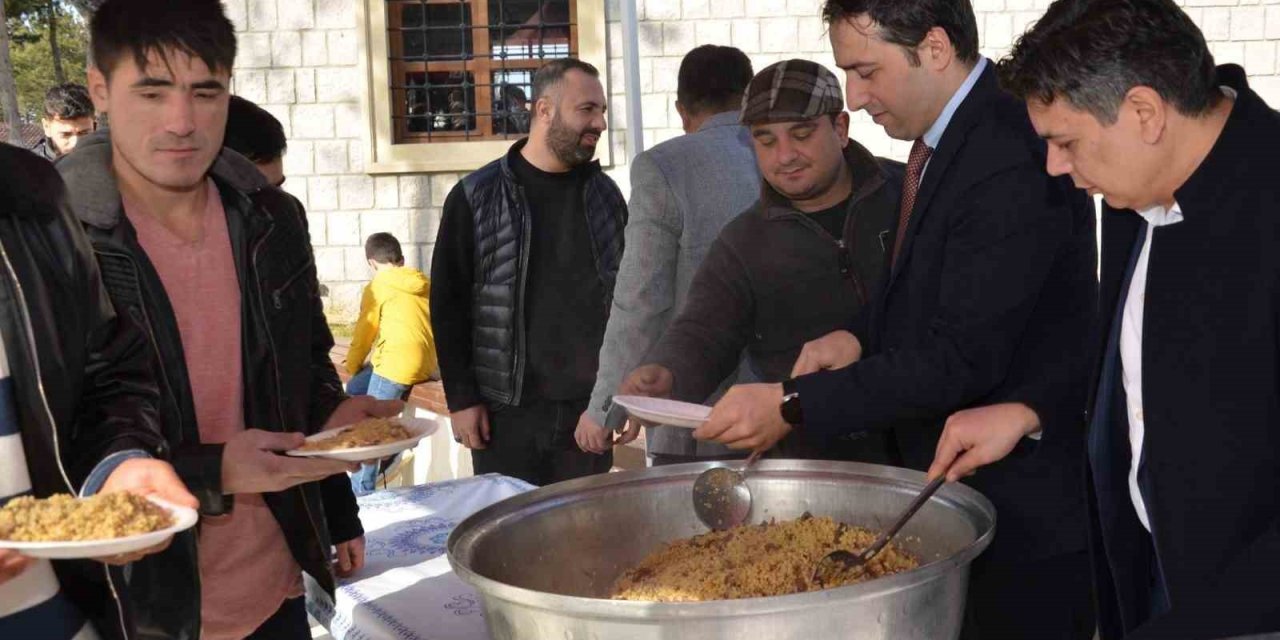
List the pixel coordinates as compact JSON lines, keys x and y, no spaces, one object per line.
{"x":543,"y":561}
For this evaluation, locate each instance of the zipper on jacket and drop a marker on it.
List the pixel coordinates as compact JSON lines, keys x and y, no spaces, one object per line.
{"x":53,"y":425}
{"x":526,"y":226}
{"x":275,"y":370}
{"x":844,"y":261}
{"x":275,"y":295}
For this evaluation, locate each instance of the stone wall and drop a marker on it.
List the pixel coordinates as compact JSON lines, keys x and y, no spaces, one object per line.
{"x":298,"y":58}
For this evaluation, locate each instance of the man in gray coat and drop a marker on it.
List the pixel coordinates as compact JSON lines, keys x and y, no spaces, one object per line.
{"x":683,"y":192}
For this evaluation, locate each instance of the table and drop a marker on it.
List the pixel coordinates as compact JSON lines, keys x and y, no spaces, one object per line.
{"x":407,"y":590}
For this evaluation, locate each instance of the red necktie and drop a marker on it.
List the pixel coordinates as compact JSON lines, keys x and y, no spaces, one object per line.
{"x":915,"y":166}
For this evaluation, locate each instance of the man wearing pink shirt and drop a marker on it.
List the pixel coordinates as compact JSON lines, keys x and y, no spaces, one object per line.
{"x":217,"y":265}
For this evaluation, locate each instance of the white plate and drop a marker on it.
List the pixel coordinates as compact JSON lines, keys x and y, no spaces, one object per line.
{"x":418,"y":427}
{"x":183,"y":518}
{"x":671,"y":413}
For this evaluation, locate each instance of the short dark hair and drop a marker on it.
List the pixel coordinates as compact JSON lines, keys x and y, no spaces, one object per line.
{"x":199,"y":28}
{"x":1091,"y":53}
{"x":253,"y":132}
{"x":68,"y":101}
{"x":383,"y":248}
{"x":907,"y":22}
{"x":551,"y":73}
{"x":712,"y":78}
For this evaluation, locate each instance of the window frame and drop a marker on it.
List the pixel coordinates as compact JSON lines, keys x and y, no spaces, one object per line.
{"x":384,"y":156}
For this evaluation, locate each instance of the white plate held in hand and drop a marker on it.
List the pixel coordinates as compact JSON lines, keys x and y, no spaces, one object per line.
{"x":671,"y":413}
{"x":418,"y":429}
{"x":183,"y":518}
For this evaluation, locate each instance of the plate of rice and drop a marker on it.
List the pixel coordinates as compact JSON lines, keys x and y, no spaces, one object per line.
{"x":63,"y":527}
{"x":369,"y":439}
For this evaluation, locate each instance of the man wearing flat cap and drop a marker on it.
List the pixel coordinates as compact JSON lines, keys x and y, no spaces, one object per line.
{"x":798,"y":264}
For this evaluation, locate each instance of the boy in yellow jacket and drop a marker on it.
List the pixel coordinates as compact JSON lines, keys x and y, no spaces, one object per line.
{"x":395,"y":325}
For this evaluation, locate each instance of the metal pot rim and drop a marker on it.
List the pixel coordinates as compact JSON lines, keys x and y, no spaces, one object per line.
{"x":966,"y":499}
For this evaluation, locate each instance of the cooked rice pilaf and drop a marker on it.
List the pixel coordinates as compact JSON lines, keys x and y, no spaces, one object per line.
{"x":63,"y":518}
{"x":366,"y":433}
{"x":749,"y":561}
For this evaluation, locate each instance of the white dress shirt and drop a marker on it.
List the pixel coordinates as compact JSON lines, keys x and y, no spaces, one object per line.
{"x":1131,"y":349}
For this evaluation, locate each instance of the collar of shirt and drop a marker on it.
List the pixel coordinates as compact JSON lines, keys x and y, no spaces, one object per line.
{"x":1159,"y":216}
{"x":934,"y":135}
{"x":722,"y":119}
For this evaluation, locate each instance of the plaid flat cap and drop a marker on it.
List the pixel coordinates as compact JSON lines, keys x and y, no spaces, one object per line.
{"x":791,"y":91}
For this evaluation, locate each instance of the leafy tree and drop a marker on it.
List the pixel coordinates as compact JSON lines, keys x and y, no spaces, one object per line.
{"x":33,"y":60}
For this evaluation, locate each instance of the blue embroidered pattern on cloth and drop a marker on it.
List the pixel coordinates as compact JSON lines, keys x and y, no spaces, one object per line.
{"x":407,"y":590}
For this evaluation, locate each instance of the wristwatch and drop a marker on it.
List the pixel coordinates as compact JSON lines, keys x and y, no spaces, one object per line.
{"x":790,"y":407}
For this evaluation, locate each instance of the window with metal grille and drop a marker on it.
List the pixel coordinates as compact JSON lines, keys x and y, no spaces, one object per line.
{"x":462,"y":70}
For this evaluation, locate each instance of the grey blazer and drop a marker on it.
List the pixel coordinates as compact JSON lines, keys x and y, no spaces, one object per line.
{"x":683,"y":192}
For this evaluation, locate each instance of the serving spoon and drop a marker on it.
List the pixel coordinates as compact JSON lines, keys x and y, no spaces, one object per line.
{"x":721,"y":497}
{"x":837,"y":563}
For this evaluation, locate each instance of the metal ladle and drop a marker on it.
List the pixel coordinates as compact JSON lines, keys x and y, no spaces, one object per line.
{"x":837,"y":563}
{"x":721,"y":497}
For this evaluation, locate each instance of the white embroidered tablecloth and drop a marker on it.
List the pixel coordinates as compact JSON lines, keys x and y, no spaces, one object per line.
{"x":407,"y":591}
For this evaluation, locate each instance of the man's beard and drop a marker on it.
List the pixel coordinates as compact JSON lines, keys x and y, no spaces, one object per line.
{"x":567,"y":143}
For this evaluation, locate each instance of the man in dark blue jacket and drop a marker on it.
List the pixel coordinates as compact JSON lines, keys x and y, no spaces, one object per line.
{"x":1184,"y":441}
{"x":991,"y":289}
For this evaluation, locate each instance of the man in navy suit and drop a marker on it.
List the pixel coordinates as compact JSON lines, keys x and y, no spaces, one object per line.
{"x":991,"y":280}
{"x":1184,"y":439}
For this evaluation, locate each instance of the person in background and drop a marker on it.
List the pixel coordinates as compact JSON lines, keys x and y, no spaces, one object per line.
{"x":521,"y":284}
{"x":68,"y":116}
{"x":990,"y":297}
{"x":394,"y":332}
{"x":796,"y":265}
{"x":257,"y":135}
{"x":1184,"y":439}
{"x":683,"y":192}
{"x":217,"y":265}
{"x":77,"y":405}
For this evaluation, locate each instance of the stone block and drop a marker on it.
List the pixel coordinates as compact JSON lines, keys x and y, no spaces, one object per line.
{"x":304,"y":85}
{"x":654,"y":107}
{"x":997,"y":30}
{"x":746,"y":35}
{"x":314,"y":121}
{"x":1272,"y":29}
{"x":286,"y":49}
{"x":615,"y":40}
{"x":695,"y":9}
{"x":299,"y":160}
{"x":1248,"y":23}
{"x":344,"y":229}
{"x":1224,"y":52}
{"x":262,"y":15}
{"x":728,"y":8}
{"x":1260,"y":57}
{"x":617,"y":77}
{"x":322,"y":193}
{"x":251,"y":85}
{"x":766,"y":9}
{"x":1216,"y":23}
{"x":778,"y":35}
{"x":355,"y":192}
{"x":331,"y":157}
{"x":804,"y":8}
{"x":987,"y":6}
{"x":330,"y":264}
{"x":316,"y":228}
{"x":662,"y":10}
{"x":297,"y":187}
{"x":650,"y":37}
{"x":666,"y":74}
{"x":386,"y":192}
{"x":342,"y":47}
{"x":337,"y":84}
{"x":395,"y":223}
{"x":356,"y":155}
{"x":357,"y":266}
{"x":315,"y":48}
{"x":336,"y":14}
{"x":296,"y":14}
{"x":282,"y":113}
{"x":253,"y":51}
{"x":713,"y":32}
{"x":348,"y":120}
{"x":280,"y":87}
{"x":424,"y":225}
{"x":423,"y":190}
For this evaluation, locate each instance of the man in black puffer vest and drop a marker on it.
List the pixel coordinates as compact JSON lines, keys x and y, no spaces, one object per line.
{"x":522,"y":280}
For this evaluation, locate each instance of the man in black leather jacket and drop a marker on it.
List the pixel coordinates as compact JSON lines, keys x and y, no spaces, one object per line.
{"x":77,"y":402}
{"x":162,"y":71}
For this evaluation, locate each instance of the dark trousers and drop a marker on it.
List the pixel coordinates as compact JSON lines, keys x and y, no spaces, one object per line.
{"x":534,"y":442}
{"x":1049,"y":599}
{"x":289,"y":622}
